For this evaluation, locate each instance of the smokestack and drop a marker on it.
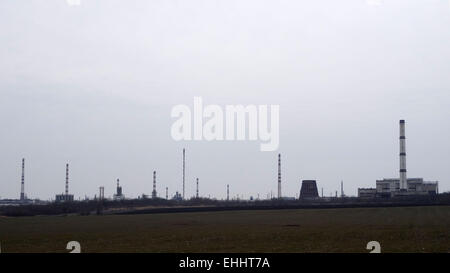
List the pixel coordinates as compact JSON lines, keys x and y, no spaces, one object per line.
{"x":184,"y":168}
{"x":197,"y":187}
{"x":22,"y":186}
{"x":154,"y":185}
{"x":342,"y":188}
{"x":167,"y":193}
{"x":403,"y":178}
{"x":101,"y":194}
{"x":279,"y":176}
{"x":67,"y":179}
{"x":228,"y":192}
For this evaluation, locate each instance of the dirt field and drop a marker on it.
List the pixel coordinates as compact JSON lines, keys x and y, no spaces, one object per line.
{"x":403,"y":229}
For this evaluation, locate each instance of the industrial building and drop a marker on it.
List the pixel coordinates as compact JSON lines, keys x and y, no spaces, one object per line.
{"x":402,"y":186}
{"x":367,"y":192}
{"x":118,"y":195}
{"x":391,"y":187}
{"x":177,"y":197}
{"x":309,"y":189}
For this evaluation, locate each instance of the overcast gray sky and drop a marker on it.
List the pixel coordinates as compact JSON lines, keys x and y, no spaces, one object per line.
{"x":93,"y":85}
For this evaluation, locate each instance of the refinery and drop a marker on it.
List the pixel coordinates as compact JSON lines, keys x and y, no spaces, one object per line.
{"x":386,"y":188}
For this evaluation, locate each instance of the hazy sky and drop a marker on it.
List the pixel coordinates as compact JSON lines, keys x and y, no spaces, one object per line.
{"x":93,"y":85}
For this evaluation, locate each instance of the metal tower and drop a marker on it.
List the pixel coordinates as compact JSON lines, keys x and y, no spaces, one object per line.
{"x":403,"y":178}
{"x":101,"y":195}
{"x":22,"y":186}
{"x":67,"y":179}
{"x":279,"y":176}
{"x":197,"y":189}
{"x":154,"y":185}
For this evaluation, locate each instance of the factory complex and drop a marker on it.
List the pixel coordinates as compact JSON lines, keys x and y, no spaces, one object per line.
{"x":402,"y":186}
{"x":385,"y":188}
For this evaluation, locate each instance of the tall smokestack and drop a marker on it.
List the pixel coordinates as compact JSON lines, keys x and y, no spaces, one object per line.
{"x":342,"y":188}
{"x":403,"y":178}
{"x":154,"y":185}
{"x":22,"y":186}
{"x":279,"y":176}
{"x":197,"y":188}
{"x":228,"y":192}
{"x":167,"y":193}
{"x":67,"y":179}
{"x":101,"y":194}
{"x":184,"y":168}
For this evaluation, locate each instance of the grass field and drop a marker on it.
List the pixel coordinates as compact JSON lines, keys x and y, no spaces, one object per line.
{"x":402,"y":229}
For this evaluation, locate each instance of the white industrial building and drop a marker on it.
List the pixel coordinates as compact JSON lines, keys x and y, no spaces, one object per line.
{"x":390,"y":187}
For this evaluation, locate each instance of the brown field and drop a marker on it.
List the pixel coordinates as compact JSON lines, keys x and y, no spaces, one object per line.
{"x":402,"y":229}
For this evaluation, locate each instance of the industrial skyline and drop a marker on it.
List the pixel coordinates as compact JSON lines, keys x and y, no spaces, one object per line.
{"x":308,"y":188}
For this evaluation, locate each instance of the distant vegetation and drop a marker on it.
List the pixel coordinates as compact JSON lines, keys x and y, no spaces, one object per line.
{"x":163,"y":205}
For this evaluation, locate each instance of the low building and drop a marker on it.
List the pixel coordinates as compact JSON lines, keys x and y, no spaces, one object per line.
{"x":64,"y":198}
{"x":367,"y":192}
